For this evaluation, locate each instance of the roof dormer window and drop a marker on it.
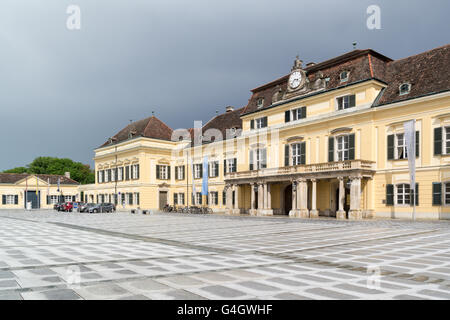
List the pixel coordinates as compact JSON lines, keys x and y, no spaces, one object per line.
{"x":344,"y":76}
{"x":260,"y":102}
{"x":404,"y":88}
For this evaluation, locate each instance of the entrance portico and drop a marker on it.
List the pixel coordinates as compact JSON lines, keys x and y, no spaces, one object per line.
{"x":314,"y":190}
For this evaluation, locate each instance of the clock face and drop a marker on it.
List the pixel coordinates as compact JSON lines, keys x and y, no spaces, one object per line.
{"x":295,"y":79}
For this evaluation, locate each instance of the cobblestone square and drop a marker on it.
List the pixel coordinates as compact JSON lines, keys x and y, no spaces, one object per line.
{"x":49,"y":255}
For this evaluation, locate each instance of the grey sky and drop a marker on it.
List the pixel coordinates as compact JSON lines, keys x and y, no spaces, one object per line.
{"x":63,"y":93}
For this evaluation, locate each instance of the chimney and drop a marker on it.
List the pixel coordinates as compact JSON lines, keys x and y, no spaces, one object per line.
{"x":229,"y":108}
{"x":67,"y":175}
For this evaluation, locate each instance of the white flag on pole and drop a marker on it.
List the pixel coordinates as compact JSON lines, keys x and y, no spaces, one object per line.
{"x":410,"y":141}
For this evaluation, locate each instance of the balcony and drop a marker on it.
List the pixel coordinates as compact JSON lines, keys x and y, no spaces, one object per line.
{"x":323,"y":170}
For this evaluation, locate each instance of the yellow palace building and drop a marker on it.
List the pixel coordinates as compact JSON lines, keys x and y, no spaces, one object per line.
{"x":326,"y":139}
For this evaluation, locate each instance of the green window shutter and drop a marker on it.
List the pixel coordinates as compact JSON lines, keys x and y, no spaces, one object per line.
{"x":303,"y":153}
{"x":183,"y":173}
{"x":175,"y":199}
{"x":224,"y":167}
{"x":437,"y":141}
{"x":286,"y":155}
{"x":437,"y":194}
{"x":352,"y":101}
{"x":330,"y":149}
{"x":235,"y":164}
{"x":303,"y":112}
{"x":389,"y":194}
{"x":390,"y":147}
{"x":137,"y":173}
{"x":265,"y":122}
{"x":216,"y":164}
{"x":287,"y":116}
{"x":168,"y":172}
{"x":16,"y":199}
{"x":48,"y":199}
{"x":251,"y":160}
{"x":201,"y":170}
{"x":157,"y":172}
{"x":351,"y":146}
{"x":252,"y":124}
{"x":417,"y":143}
{"x":417,"y":194}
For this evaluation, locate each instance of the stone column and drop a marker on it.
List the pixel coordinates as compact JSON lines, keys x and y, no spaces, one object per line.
{"x":265,"y":196}
{"x":293,"y":211}
{"x":236,"y":209}
{"x":341,"y":214}
{"x":314,"y":213}
{"x":269,"y":198}
{"x":302,"y":198}
{"x":355,"y":199}
{"x":229,"y":200}
{"x":260,"y":199}
{"x":252,"y":211}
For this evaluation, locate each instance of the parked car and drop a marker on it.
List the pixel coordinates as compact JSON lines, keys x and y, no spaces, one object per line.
{"x":84,"y":207}
{"x":58,"y":206}
{"x":68,"y":207}
{"x":102,"y":207}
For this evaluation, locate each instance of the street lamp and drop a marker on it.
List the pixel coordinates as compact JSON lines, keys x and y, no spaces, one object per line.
{"x":294,"y":186}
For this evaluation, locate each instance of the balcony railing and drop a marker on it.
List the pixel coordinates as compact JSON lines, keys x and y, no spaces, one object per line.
{"x":364,"y":165}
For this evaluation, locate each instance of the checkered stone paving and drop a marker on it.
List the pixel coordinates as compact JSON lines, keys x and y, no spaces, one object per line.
{"x":49,"y":255}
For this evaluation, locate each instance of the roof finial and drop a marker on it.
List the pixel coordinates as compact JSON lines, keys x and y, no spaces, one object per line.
{"x":354,"y":45}
{"x":153,"y":113}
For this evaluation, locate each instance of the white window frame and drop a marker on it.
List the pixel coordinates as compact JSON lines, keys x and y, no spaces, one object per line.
{"x":134,"y":171}
{"x":296,"y":114}
{"x":197,"y":170}
{"x":68,"y":198}
{"x":259,"y":122}
{"x":259,"y":159}
{"x":120,"y":174}
{"x":10,"y":199}
{"x":180,"y":197}
{"x":212,"y":169}
{"x":260,"y":103}
{"x":230,"y":166}
{"x":402,"y":198}
{"x":295,"y":154}
{"x":163,"y":172}
{"x":106,"y":175}
{"x":113,"y":174}
{"x":344,"y":79}
{"x":213,"y":195}
{"x":402,"y":93}
{"x":342,"y":148}
{"x":344,"y":97}
{"x":400,"y":148}
{"x":54,"y":199}
{"x":179,"y":171}
{"x":198,"y":198}
{"x":446,"y":140}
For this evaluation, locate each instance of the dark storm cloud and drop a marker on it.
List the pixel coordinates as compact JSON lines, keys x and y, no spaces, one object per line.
{"x":63,"y":93}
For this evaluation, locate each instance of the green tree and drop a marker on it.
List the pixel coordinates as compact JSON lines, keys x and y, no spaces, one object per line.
{"x":49,"y":165}
{"x":18,"y":170}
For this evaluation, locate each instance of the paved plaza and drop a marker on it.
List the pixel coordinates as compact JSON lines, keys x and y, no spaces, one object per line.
{"x":49,"y":255}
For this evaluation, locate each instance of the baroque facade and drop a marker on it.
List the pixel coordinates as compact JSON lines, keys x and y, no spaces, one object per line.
{"x":326,"y":139}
